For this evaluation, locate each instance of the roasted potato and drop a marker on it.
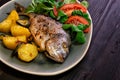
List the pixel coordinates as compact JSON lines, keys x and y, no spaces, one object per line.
{"x":7,"y":23}
{"x":27,"y":52}
{"x":13,"y":16}
{"x":12,"y":42}
{"x":17,"y":30}
{"x":22,"y":38}
{"x":5,"y":26}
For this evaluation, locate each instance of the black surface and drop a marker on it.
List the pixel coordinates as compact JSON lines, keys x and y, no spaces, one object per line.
{"x":102,"y":61}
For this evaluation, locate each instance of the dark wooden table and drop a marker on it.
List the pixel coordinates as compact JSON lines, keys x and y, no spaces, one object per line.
{"x":102,"y":61}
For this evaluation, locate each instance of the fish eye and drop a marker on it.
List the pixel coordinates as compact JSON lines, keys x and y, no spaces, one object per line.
{"x":64,"y":45}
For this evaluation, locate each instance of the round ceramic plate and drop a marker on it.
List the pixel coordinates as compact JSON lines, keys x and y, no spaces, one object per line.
{"x":41,"y":65}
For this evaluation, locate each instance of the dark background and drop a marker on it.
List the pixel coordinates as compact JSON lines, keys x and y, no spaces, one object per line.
{"x":102,"y":61}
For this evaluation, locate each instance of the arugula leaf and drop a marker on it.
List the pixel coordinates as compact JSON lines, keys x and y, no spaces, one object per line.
{"x":85,"y":3}
{"x":30,"y":9}
{"x":62,"y":17}
{"x":77,"y":12}
{"x":69,"y":1}
{"x":40,"y":6}
{"x":52,"y":14}
{"x":82,"y":27}
{"x":86,"y":16}
{"x":44,"y":7}
{"x":59,"y":4}
{"x":80,"y":36}
{"x":60,"y":14}
{"x":67,"y":26}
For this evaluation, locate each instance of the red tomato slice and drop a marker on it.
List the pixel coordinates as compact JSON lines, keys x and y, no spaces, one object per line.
{"x":68,"y":8}
{"x":77,"y":20}
{"x":87,"y":30}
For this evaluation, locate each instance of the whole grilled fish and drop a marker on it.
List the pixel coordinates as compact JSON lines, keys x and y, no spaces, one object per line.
{"x":50,"y":37}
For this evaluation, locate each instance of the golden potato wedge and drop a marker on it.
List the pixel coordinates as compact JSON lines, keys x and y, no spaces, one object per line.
{"x":7,"y":23}
{"x":17,"y":30}
{"x":27,"y":52}
{"x":12,"y":42}
{"x":13,"y":16}
{"x":5,"y":26}
{"x":22,"y":38}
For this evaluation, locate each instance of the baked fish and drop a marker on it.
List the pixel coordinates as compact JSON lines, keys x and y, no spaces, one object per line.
{"x":50,"y":37}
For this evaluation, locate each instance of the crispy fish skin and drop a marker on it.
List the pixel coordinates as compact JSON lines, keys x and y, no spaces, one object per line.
{"x":50,"y":37}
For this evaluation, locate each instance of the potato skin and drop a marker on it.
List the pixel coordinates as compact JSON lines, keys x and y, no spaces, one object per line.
{"x":12,"y":42}
{"x":27,"y":52}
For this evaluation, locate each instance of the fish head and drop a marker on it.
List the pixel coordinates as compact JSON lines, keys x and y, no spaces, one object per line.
{"x":57,"y":49}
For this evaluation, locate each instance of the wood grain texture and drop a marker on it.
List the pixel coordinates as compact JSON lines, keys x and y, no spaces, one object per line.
{"x":102,"y":61}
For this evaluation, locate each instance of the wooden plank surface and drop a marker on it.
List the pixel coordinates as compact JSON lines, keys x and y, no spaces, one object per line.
{"x":102,"y":61}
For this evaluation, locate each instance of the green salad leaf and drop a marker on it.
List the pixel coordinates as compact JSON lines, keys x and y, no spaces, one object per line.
{"x":52,"y":14}
{"x":82,"y":27}
{"x":62,"y":17}
{"x":85,"y":3}
{"x":59,"y":4}
{"x":80,"y":37}
{"x":69,"y":1}
{"x":78,"y":30}
{"x":40,"y":6}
